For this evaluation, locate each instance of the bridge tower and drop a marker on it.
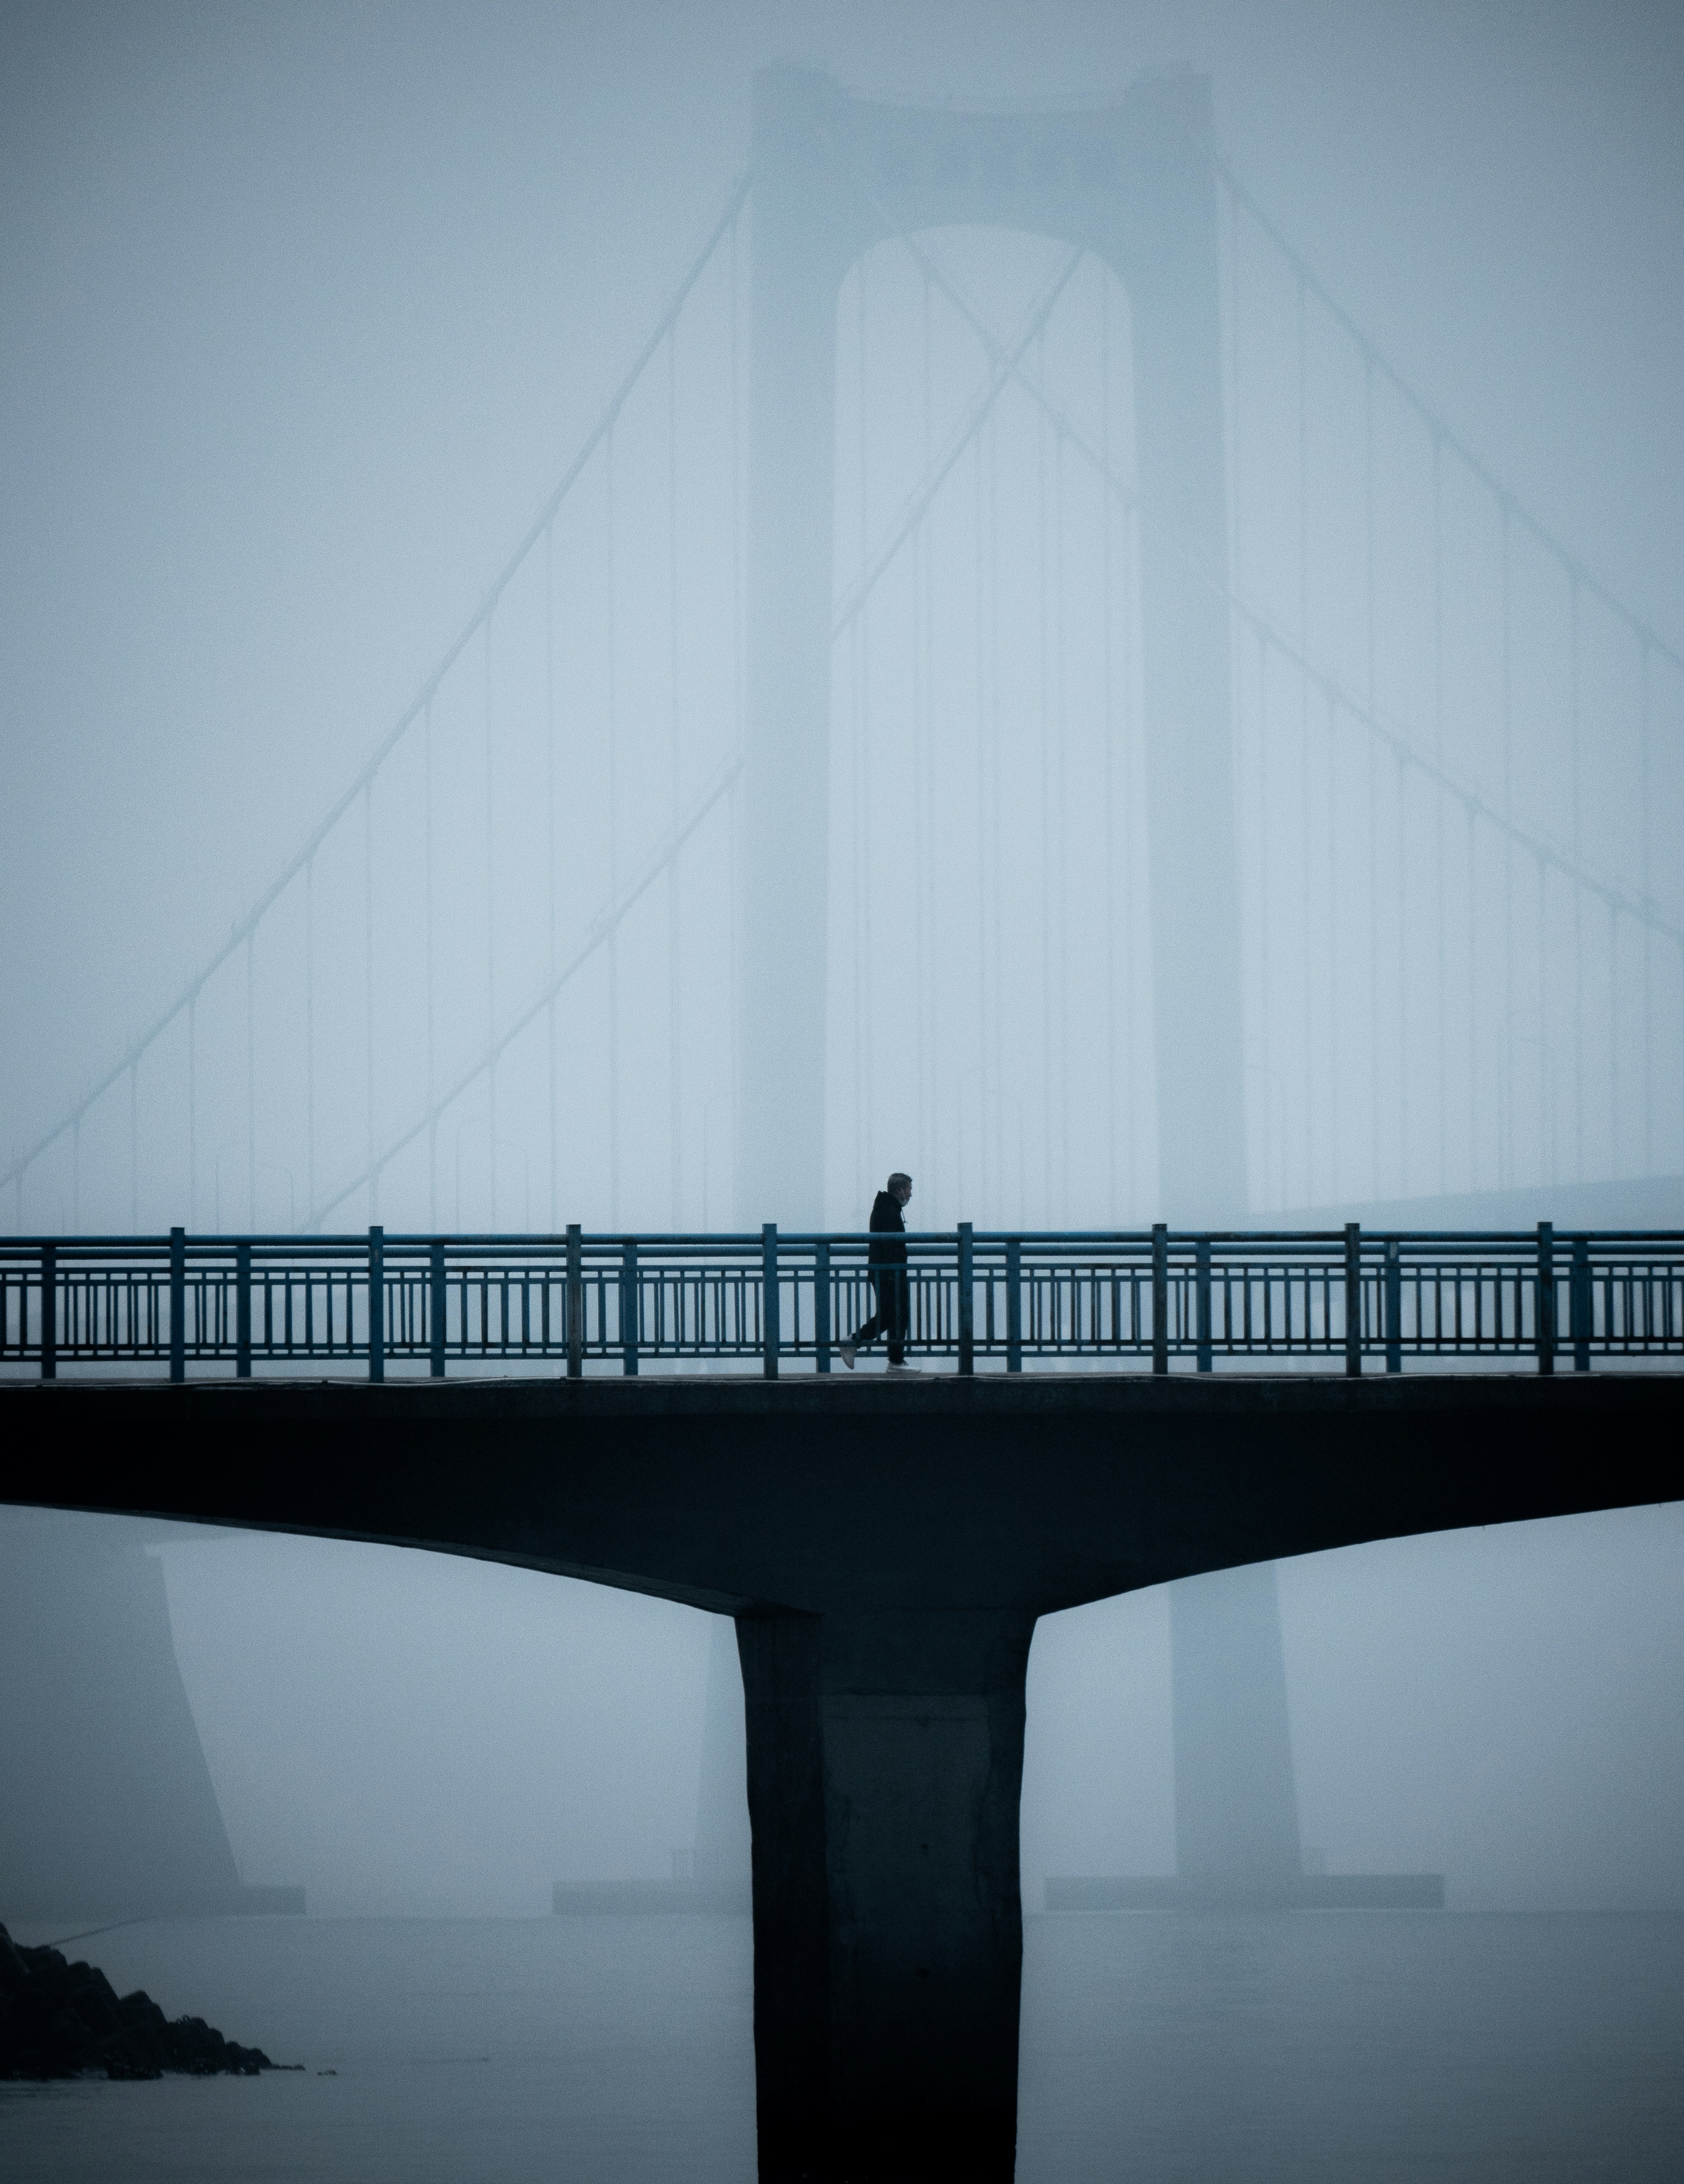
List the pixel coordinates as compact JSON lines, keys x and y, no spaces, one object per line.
{"x":1134,"y":183}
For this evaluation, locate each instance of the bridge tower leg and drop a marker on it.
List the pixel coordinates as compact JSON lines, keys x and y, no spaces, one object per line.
{"x":885,"y":1760}
{"x":1236,"y":1807}
{"x":1134,"y":183}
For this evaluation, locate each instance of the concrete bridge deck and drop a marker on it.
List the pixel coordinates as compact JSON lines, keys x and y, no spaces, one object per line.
{"x":885,"y":1546}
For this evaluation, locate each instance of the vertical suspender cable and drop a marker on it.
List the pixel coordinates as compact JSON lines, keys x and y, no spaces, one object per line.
{"x":1506,"y":1167}
{"x":134,"y":1154}
{"x":613,"y":861}
{"x":1648,"y":1001}
{"x":740,"y":637}
{"x":1546,"y":1087}
{"x":1438,"y":798}
{"x":674,"y":1025}
{"x":981,"y":1198}
{"x":1335,"y":924}
{"x":368,"y":996}
{"x":921,"y":728}
{"x":1578,"y":889}
{"x":1475,"y":923}
{"x":1112,"y":1213}
{"x":76,"y":1176}
{"x":1311,"y":1074}
{"x":856,"y":816}
{"x":1061,"y":832}
{"x":427,"y":946}
{"x":862,"y":989}
{"x":310,"y":1037}
{"x":193,"y":1110}
{"x":997,"y":952}
{"x":1045,"y":769}
{"x":490,"y":925}
{"x":1238,"y":577}
{"x":1274,"y":1152}
{"x":549,"y":841}
{"x":251,"y":1091}
{"x":1372,"y":755}
{"x":1134,"y":804}
{"x":1405,"y":1058}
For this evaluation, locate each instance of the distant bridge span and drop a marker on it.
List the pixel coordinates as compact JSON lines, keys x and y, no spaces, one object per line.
{"x":885,"y":1548}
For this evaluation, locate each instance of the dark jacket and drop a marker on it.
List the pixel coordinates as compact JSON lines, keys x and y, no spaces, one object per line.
{"x":886,"y":1222}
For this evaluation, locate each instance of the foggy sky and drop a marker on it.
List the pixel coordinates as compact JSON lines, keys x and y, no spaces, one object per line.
{"x":305,"y":308}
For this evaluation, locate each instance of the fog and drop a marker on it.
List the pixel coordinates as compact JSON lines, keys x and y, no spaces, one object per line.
{"x":306,"y":314}
{"x":403,"y":1732}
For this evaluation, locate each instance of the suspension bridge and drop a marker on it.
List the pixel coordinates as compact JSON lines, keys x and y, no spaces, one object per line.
{"x":1013,"y":686}
{"x":1056,"y":712}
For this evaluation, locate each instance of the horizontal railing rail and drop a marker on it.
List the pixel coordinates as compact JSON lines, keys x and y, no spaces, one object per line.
{"x":1142,"y":1301}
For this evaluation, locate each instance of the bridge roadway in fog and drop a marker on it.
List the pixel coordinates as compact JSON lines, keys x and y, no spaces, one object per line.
{"x":885,"y":1546}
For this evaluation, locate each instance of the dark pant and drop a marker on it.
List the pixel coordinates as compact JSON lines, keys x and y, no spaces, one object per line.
{"x":891,"y":1317}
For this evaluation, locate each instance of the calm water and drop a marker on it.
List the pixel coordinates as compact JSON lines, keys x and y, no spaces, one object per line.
{"x":1322,"y":2049}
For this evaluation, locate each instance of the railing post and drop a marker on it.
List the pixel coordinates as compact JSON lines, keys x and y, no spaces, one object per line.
{"x":1160,"y":1297}
{"x":768,"y":1271}
{"x":49,"y":1312}
{"x":437,"y":1299}
{"x":1353,"y":1299}
{"x":576,"y":1302}
{"x":1578,"y":1305}
{"x":376,"y":1304}
{"x":242,"y":1311}
{"x":967,"y":1333}
{"x":178,"y":1304}
{"x":1014,"y":1305}
{"x":1394,"y":1308}
{"x":1201,"y":1301}
{"x":1544,"y":1329}
{"x":629,"y":1308}
{"x":822,"y":1305}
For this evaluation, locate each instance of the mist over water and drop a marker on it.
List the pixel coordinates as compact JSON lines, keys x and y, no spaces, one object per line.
{"x":306,"y":315}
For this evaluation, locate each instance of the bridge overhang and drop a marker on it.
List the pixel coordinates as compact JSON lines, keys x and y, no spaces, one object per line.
{"x":822,"y":1496}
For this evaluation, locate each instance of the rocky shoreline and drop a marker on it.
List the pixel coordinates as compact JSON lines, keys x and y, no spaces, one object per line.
{"x":59,"y":2020}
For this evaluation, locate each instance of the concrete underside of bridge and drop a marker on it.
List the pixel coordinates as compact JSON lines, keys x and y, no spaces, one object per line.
{"x":885,"y":1548}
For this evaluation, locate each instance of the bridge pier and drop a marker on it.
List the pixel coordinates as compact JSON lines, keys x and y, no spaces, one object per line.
{"x":885,"y":1760}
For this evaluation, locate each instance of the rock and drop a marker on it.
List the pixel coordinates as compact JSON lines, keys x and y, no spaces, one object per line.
{"x":58,"y":2020}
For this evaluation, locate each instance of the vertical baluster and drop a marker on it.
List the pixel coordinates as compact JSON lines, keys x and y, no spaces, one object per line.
{"x":438,"y":1304}
{"x":576,"y":1302}
{"x":1394,"y":1308}
{"x":1578,"y":1305}
{"x":628,"y":1307}
{"x":1353,"y":1299}
{"x":1544,"y":1329}
{"x":1201,"y":1263}
{"x":1014,"y":1305}
{"x":242,"y":1311}
{"x":178,"y":1304}
{"x":768,"y":1262}
{"x":822,"y":1304}
{"x":1160,"y":1297}
{"x":376,"y":1304}
{"x":49,"y":1312}
{"x":967,"y":1342}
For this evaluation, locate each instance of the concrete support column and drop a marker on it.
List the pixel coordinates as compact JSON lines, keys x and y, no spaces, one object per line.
{"x":885,"y":1760}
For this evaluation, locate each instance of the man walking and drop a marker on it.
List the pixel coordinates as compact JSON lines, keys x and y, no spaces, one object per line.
{"x":887,"y":1260}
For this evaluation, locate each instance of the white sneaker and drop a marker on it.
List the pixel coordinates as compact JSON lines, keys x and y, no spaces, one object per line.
{"x":845,"y":1350}
{"x":912,"y":1369}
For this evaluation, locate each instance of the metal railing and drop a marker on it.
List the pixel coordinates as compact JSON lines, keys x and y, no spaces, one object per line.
{"x":1144,"y":1300}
